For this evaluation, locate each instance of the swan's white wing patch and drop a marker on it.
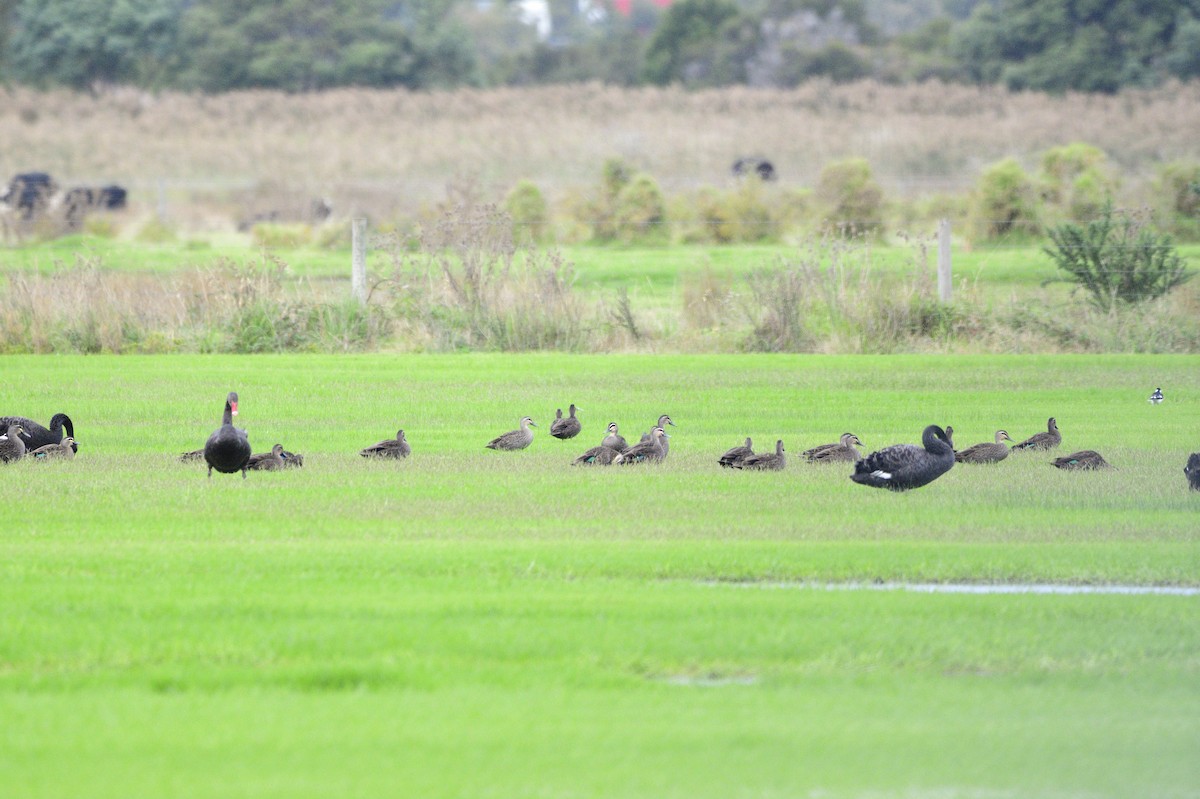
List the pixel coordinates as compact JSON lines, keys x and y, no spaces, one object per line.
{"x":881,"y":474}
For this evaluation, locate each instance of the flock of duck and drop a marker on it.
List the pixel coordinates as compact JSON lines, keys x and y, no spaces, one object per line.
{"x":899,"y":467}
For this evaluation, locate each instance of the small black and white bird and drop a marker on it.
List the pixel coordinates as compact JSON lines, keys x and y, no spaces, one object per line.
{"x":1156,"y":397}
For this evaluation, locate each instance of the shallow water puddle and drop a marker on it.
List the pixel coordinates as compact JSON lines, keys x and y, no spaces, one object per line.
{"x":973,"y":588}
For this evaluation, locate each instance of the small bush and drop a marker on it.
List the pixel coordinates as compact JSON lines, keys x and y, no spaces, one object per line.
{"x":1078,"y":180}
{"x":1178,"y":191}
{"x":279,"y":236}
{"x":600,"y":211}
{"x":1117,"y":259}
{"x":1005,"y":203}
{"x":850,"y":198}
{"x":529,"y":211}
{"x":641,"y":213}
{"x":156,"y":231}
{"x":740,"y":216}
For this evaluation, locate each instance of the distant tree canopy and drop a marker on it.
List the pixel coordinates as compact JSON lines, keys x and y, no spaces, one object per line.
{"x":300,"y":45}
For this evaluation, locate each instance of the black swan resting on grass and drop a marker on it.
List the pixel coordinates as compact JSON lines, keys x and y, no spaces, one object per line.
{"x":12,"y":446}
{"x":37,"y":436}
{"x":1192,"y":470}
{"x":228,"y":449}
{"x":904,"y":466}
{"x":516,"y":439}
{"x":566,"y":428}
{"x":736,"y":455}
{"x":397,"y":447}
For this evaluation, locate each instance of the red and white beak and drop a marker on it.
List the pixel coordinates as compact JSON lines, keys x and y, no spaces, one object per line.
{"x":233,"y":408}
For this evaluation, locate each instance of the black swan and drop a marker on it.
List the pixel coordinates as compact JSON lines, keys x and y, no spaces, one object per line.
{"x":768,"y":461}
{"x":566,"y":428}
{"x":904,"y":466}
{"x":1047,"y":440}
{"x":736,"y":455}
{"x":516,"y":439}
{"x":987,"y":452}
{"x":228,"y":449}
{"x":37,"y":436}
{"x":397,"y":447}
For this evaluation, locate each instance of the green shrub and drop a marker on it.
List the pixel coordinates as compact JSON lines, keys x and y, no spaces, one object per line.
{"x":156,"y":231}
{"x":276,"y":236}
{"x":850,"y":198}
{"x":1077,"y":179}
{"x":1117,"y":260}
{"x":1005,"y":203}
{"x":739,"y":216}
{"x":641,"y":213}
{"x":529,"y":212}
{"x":1178,"y":191}
{"x":600,"y":211}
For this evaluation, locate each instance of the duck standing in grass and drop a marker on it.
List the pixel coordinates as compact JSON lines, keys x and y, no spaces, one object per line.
{"x":905,"y":466}
{"x":1084,"y":460}
{"x":397,"y":447}
{"x":987,"y":452}
{"x":1047,"y":440}
{"x":12,"y":447}
{"x":768,"y":461}
{"x":1192,"y":470}
{"x":63,"y":450}
{"x":515,"y":439}
{"x":734,"y":456}
{"x":565,"y":428}
{"x":228,"y":448}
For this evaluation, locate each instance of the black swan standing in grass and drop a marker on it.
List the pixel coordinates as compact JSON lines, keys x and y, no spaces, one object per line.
{"x":268,"y":461}
{"x":1085,"y":459}
{"x":652,"y":449}
{"x":843,"y":450}
{"x":228,"y":448}
{"x":37,"y":436}
{"x":736,"y":455}
{"x":614,"y":439}
{"x":1192,"y":470}
{"x":12,"y":446}
{"x":566,"y":428}
{"x":987,"y":452}
{"x":515,"y":439}
{"x":904,"y":466}
{"x":397,"y":447}
{"x":63,"y":450}
{"x":1047,"y":440}
{"x":768,"y":461}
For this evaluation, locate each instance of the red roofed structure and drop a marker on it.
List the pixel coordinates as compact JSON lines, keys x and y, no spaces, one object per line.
{"x":625,"y":7}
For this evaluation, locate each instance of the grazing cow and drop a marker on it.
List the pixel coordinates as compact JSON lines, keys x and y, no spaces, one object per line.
{"x":29,"y":193}
{"x":78,"y":202}
{"x":315,"y":212}
{"x":760,"y":167}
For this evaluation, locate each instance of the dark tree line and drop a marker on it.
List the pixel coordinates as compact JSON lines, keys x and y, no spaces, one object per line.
{"x":300,"y":45}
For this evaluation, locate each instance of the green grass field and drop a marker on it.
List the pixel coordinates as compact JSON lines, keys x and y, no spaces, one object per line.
{"x":477,"y":624}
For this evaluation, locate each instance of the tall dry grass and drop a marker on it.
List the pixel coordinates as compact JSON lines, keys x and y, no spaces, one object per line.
{"x":395,"y":151}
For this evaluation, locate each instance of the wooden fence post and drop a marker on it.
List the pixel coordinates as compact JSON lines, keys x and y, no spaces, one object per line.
{"x":945,"y":276}
{"x":358,"y":260}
